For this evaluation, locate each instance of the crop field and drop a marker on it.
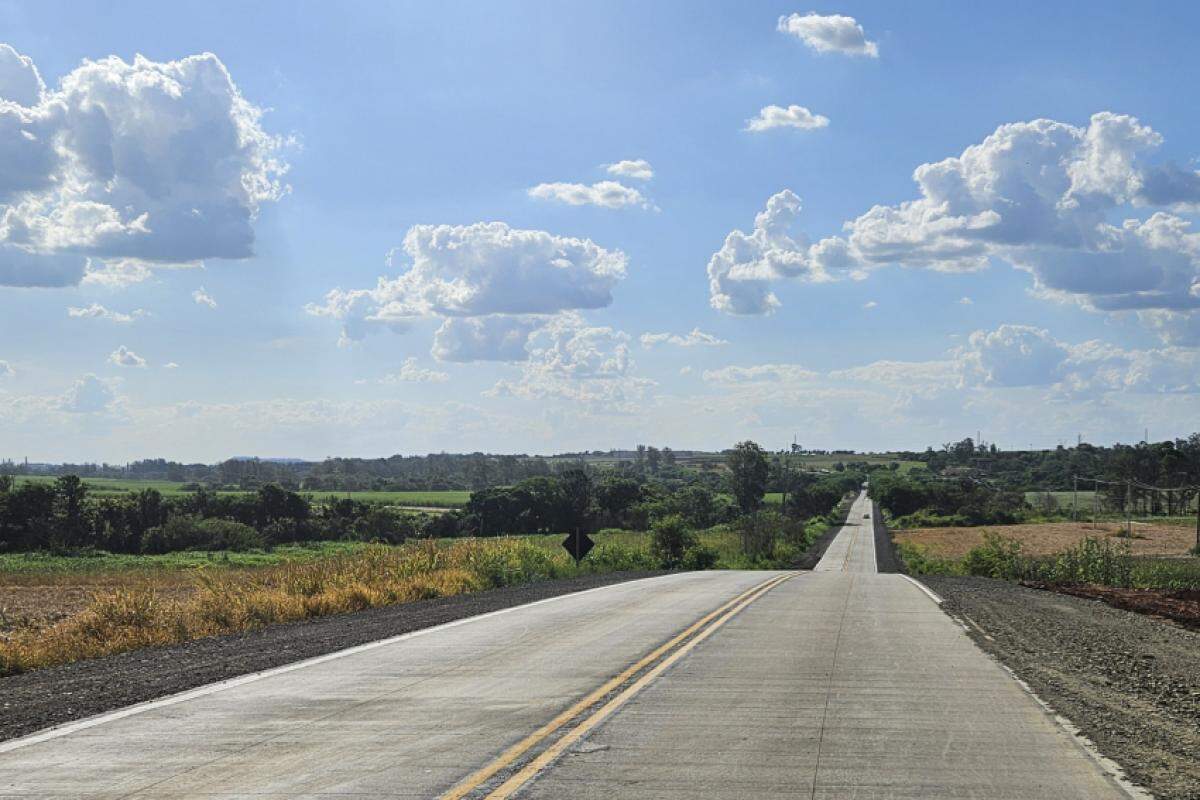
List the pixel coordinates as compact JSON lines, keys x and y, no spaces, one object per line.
{"x":1050,"y":538}
{"x":416,"y":499}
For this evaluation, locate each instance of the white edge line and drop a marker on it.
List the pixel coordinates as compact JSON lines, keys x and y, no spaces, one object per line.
{"x":932,"y":594}
{"x":1111,"y":768}
{"x":230,"y":683}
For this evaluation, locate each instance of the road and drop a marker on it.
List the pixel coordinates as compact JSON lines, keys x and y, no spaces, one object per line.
{"x":836,"y":683}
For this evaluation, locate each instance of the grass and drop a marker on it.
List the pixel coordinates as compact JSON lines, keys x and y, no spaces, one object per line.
{"x":232,"y":601}
{"x":111,"y":487}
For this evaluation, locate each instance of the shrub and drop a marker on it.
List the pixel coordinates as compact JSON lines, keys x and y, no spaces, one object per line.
{"x":192,"y":533}
{"x":699,"y":557}
{"x":759,"y":531}
{"x":670,"y":537}
{"x":997,"y":557}
{"x":613,"y":557}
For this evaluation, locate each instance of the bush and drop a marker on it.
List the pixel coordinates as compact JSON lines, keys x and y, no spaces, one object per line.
{"x":997,"y":557}
{"x":699,"y":557}
{"x":612,"y":557}
{"x":759,"y":531}
{"x":670,"y":538}
{"x":193,"y":533}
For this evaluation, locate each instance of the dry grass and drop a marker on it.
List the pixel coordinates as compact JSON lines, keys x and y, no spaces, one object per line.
{"x":117,"y":619}
{"x":1050,"y":538}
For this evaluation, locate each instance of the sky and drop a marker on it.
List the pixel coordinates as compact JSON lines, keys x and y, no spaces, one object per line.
{"x":305,"y":230}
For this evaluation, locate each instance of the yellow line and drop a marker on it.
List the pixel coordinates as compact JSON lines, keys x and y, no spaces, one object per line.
{"x":476,"y":779}
{"x":548,"y":755}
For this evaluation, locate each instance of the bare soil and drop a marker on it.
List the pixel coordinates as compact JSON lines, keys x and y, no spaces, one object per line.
{"x":1050,"y":538}
{"x":1129,"y":681}
{"x":1179,"y":607}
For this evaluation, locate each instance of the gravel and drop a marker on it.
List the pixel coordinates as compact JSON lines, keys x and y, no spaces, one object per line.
{"x":44,"y":698}
{"x":1130,"y":682}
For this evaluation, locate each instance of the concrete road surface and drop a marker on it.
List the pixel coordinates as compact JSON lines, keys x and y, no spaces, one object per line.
{"x":835,"y":683}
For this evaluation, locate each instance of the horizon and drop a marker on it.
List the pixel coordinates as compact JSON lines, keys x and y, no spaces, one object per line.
{"x":402,"y":229}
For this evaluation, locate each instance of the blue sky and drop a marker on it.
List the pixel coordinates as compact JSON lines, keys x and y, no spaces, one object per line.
{"x":839,"y":324}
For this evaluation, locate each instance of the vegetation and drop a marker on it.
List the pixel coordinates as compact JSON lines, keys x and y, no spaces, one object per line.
{"x":1102,"y":562}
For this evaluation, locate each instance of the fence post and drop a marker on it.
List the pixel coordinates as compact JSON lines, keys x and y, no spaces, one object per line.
{"x":1129,"y":509}
{"x":1074,"y":497}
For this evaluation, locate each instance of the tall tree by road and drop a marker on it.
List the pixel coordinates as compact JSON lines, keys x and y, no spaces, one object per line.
{"x":748,"y":463}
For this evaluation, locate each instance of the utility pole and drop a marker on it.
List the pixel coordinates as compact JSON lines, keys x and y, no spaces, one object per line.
{"x":1074,"y":496}
{"x":1129,"y":509}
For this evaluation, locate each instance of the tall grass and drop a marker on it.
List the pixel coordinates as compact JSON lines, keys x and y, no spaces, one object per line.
{"x":128,"y":618}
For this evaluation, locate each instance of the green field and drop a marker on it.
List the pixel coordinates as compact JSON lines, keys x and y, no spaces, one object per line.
{"x":109,"y":487}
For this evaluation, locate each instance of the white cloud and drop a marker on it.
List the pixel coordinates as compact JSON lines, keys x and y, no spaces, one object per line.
{"x":695,"y":338}
{"x":116,"y":273}
{"x":870,"y":304}
{"x":159,"y":163}
{"x":124,"y":357}
{"x":1014,"y":355}
{"x":492,"y":338}
{"x":88,"y":395}
{"x":571,"y":360}
{"x":6,"y":370}
{"x":411,"y":373}
{"x":965,"y":301}
{"x":1041,"y":195}
{"x":606,"y":194}
{"x":761,"y":373}
{"x":638,"y":169}
{"x":170,"y":365}
{"x":740,"y":273}
{"x":791,"y":117}
{"x":479,"y":270}
{"x":20,"y":82}
{"x":97,"y":311}
{"x":687,"y":370}
{"x":829,"y":34}
{"x":203,"y":298}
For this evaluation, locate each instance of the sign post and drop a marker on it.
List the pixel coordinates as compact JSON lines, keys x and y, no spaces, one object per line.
{"x":578,"y":544}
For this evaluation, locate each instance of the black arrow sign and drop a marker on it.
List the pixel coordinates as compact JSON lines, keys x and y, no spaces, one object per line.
{"x":578,"y":544}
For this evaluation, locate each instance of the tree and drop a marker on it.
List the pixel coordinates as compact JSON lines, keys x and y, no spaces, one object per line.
{"x":670,"y":539}
{"x":576,"y":488}
{"x":70,"y":520}
{"x":749,"y":468}
{"x":653,"y":458}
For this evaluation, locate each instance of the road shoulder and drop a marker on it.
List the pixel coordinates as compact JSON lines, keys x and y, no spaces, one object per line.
{"x":1127,"y":681}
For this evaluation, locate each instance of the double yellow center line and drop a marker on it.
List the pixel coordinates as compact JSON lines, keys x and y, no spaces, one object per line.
{"x":677,"y":648}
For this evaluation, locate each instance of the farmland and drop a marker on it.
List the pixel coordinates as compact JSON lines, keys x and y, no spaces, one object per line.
{"x":112,"y":487}
{"x":1045,"y":539}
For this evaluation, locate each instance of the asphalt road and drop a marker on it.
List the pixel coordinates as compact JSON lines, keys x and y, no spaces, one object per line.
{"x":836,"y":683}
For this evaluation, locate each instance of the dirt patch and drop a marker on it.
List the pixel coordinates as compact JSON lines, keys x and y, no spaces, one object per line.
{"x":1050,"y":538}
{"x":1129,"y":681}
{"x":1180,"y":607}
{"x":55,"y":695}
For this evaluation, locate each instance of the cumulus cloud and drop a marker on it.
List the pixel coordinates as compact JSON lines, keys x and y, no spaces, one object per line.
{"x":203,"y":298}
{"x":154,"y":162}
{"x":491,"y":338}
{"x":870,"y":304}
{"x":791,"y":117}
{"x":6,"y":370}
{"x":833,"y":33}
{"x":605,"y":194}
{"x":411,"y":373}
{"x":88,"y":395}
{"x":1041,"y":195}
{"x":97,"y":311}
{"x":170,"y":365}
{"x":569,"y":359}
{"x":695,"y":338}
{"x":480,"y":270}
{"x":638,"y":169}
{"x":966,"y":301}
{"x":1021,"y":355}
{"x":124,"y":357}
{"x":740,"y":273}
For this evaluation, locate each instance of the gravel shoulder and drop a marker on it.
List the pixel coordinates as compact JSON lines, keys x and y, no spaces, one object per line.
{"x":44,"y":698}
{"x":1129,"y":681}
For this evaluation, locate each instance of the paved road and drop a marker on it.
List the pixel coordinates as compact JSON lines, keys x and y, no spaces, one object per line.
{"x":839,"y":683}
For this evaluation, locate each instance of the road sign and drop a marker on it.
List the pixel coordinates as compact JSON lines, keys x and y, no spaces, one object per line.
{"x":578,"y":544}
